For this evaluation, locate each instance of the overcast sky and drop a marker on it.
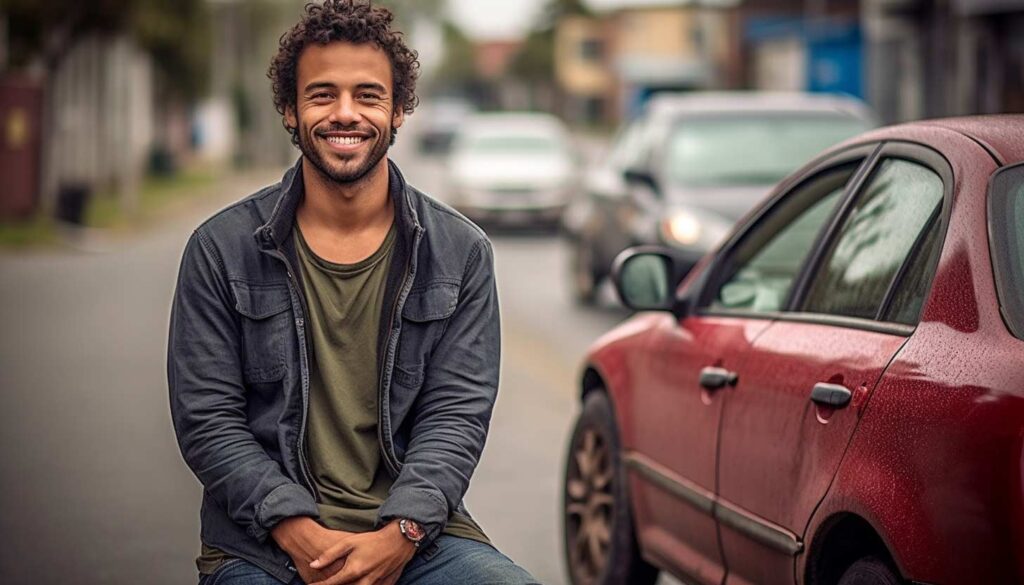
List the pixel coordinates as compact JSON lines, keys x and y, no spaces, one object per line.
{"x":512,"y":18}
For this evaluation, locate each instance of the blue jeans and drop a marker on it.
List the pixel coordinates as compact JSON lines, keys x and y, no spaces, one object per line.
{"x":449,"y":560}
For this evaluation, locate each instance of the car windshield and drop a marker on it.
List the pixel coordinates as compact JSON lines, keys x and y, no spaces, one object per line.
{"x":747,"y":150}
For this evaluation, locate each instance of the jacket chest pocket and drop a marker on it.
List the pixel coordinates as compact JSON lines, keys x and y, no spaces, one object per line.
{"x":424,"y":317}
{"x":267,"y":328}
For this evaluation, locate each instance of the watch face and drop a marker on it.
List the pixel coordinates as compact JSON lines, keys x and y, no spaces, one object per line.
{"x":412,"y":530}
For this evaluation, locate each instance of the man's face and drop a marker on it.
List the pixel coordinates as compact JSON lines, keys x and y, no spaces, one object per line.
{"x":345,"y":110}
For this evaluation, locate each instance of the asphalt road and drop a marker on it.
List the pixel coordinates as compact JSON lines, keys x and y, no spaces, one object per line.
{"x":92,"y":487}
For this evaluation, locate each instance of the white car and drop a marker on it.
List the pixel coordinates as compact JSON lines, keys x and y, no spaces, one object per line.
{"x":512,"y":168}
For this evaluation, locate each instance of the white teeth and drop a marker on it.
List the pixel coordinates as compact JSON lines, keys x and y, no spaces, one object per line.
{"x":344,"y":139}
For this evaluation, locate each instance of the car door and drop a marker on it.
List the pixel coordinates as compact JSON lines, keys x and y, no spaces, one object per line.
{"x":787,"y":422}
{"x":676,"y":422}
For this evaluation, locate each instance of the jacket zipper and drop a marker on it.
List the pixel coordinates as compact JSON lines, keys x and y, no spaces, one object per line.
{"x":390,"y":461}
{"x":304,"y":348}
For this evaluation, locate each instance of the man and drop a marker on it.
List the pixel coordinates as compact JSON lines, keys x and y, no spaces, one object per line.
{"x":334,"y":342}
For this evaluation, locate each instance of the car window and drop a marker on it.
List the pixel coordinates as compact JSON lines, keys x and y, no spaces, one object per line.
{"x":1006,"y":214}
{"x":764,"y":266}
{"x":887,"y":222}
{"x":731,"y":150}
{"x":916,"y":281}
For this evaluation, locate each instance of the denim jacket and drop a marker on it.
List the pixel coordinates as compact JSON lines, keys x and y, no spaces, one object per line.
{"x":238,"y":366}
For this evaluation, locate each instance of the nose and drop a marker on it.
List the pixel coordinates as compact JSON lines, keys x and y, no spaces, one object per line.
{"x":345,"y":112}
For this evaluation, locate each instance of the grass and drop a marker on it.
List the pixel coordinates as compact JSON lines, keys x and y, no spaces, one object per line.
{"x":157,"y":196}
{"x":33,"y":232}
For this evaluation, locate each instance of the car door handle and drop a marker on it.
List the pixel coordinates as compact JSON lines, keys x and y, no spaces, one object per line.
{"x":833,"y":395}
{"x":715,"y":378}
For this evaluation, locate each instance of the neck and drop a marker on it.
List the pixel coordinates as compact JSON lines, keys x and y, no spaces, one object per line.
{"x":345,"y":207}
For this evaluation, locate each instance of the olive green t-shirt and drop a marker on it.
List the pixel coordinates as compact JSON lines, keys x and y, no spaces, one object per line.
{"x":345,"y":303}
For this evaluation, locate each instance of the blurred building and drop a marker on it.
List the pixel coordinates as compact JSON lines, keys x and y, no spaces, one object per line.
{"x":798,"y":45}
{"x":933,"y":58}
{"x":496,"y":89}
{"x":608,"y":65}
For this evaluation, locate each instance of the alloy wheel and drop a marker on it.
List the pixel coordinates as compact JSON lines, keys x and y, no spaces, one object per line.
{"x":590,"y":505}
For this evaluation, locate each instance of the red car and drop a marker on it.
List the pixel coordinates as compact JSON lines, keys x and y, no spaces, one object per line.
{"x":835,"y":395}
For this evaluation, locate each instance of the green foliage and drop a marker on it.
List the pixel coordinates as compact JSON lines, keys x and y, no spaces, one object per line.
{"x":457,"y":68}
{"x":175,"y":32}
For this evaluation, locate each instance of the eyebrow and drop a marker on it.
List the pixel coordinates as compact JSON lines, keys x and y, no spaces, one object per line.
{"x":328,"y":85}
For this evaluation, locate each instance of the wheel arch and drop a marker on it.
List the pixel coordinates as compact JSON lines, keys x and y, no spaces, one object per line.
{"x":839,"y":541}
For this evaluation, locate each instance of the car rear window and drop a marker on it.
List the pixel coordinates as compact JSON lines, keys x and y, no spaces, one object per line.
{"x":1006,"y":219}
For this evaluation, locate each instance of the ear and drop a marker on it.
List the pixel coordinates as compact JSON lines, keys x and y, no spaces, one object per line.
{"x":398,"y":117}
{"x":290,"y":118}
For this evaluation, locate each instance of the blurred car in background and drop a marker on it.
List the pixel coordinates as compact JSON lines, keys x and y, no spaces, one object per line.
{"x":684,"y":171}
{"x":512,"y":168}
{"x":441,"y":118}
{"x":833,"y":396}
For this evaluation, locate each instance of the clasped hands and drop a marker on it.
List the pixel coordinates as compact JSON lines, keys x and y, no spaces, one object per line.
{"x":334,"y":557}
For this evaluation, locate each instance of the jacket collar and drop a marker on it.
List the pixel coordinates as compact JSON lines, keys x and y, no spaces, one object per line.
{"x":277,"y":231}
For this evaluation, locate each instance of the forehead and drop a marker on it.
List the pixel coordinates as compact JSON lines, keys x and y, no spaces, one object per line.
{"x":343,"y":63}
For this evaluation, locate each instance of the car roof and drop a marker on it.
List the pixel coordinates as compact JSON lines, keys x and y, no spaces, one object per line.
{"x":700,"y":103}
{"x":999,"y":134}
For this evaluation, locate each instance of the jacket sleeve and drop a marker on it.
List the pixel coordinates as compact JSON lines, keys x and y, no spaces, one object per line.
{"x":208,"y":401}
{"x":452,"y":412}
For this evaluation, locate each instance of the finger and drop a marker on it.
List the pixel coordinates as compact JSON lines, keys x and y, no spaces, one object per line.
{"x":336,"y":552}
{"x":392,"y":578}
{"x":346,"y":576}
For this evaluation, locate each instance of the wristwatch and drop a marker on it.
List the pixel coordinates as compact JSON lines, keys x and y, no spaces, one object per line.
{"x":411,"y":530}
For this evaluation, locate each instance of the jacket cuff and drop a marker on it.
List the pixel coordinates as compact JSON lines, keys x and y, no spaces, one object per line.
{"x":426,"y":508}
{"x":282,"y":502}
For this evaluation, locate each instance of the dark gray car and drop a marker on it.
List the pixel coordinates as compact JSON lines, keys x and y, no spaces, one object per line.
{"x":685,"y":170}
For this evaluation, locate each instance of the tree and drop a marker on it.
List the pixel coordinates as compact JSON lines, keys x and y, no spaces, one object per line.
{"x":175,"y":32}
{"x":535,"y":62}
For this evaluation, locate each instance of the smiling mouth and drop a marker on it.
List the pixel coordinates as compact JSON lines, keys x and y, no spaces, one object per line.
{"x":346,"y":140}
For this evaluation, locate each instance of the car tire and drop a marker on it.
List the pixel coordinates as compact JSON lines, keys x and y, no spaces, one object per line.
{"x":599,"y":541}
{"x":585,"y":280}
{"x":870,"y":571}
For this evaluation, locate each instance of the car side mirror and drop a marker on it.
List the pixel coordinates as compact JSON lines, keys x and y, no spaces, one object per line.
{"x":643,"y":279}
{"x":643,"y":178}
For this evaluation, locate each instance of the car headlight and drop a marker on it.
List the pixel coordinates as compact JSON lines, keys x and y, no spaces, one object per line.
{"x":682,"y":227}
{"x":694,"y":228}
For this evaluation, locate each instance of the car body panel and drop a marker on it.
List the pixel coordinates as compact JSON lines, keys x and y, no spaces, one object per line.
{"x":790,"y":447}
{"x":677,"y":426}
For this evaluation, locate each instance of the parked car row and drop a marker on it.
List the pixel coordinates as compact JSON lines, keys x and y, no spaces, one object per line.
{"x":833,"y":394}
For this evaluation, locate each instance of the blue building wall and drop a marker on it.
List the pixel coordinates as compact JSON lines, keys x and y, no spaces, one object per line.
{"x":834,"y":50}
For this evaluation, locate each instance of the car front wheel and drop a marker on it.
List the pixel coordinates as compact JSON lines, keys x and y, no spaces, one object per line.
{"x":600,"y":543}
{"x":869,"y":571}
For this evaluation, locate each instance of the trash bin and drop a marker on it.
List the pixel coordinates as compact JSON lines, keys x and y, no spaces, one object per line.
{"x":72,"y":199}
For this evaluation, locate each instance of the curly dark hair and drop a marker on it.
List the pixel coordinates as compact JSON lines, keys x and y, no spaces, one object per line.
{"x":352,"y":21}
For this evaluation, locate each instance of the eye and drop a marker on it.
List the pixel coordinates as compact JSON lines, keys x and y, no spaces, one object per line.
{"x":369,"y":96}
{"x":321,"y":96}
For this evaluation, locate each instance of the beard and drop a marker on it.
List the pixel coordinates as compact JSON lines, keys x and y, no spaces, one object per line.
{"x":352,"y":169}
